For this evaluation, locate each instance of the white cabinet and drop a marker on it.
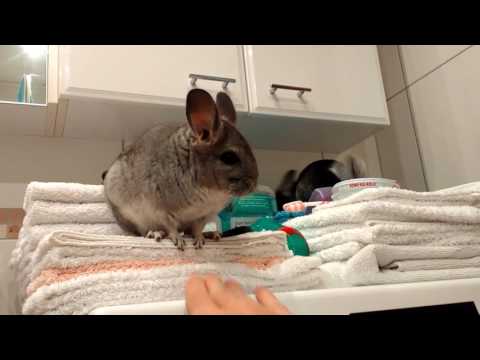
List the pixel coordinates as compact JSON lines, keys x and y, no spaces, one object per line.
{"x":153,"y":74}
{"x":134,"y":87}
{"x":117,"y":92}
{"x":343,"y":94}
{"x":344,"y":80}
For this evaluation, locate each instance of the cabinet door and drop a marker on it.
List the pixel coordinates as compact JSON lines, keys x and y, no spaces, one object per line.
{"x":345,"y":82}
{"x":151,"y":74}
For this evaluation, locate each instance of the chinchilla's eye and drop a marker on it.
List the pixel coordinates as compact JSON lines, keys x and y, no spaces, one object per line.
{"x":229,"y":158}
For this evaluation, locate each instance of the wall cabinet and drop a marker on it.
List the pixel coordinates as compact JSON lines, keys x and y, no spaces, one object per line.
{"x":315,"y":97}
{"x":297,"y":98}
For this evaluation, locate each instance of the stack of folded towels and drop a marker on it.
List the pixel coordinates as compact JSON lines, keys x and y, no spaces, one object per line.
{"x":387,"y":235}
{"x":71,"y":257}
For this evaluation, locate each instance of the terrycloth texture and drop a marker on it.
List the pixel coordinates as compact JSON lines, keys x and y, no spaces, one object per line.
{"x":399,"y":234}
{"x":30,"y":237}
{"x":74,"y":249}
{"x":67,"y":280}
{"x":63,"y":193}
{"x":384,"y":264}
{"x":64,"y":265}
{"x":54,"y":207}
{"x":343,"y":244}
{"x":85,"y":293}
{"x":459,"y":205}
{"x":314,"y":232}
{"x":387,"y":211}
{"x":45,"y":212}
{"x":390,"y":235}
{"x":463,"y":195}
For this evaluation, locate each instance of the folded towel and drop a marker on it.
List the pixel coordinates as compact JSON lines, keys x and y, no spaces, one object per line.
{"x":83,"y":294}
{"x":77,"y":249}
{"x":435,"y":264}
{"x":30,"y":237}
{"x":62,"y":192}
{"x":385,"y":210}
{"x":399,"y":234}
{"x":314,"y":232}
{"x":340,"y":252}
{"x":45,"y":212}
{"x":466,"y":195}
{"x":68,"y":281}
{"x":344,"y":244}
{"x":384,"y":264}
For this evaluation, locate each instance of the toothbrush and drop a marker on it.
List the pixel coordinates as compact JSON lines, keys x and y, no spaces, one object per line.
{"x":301,"y":206}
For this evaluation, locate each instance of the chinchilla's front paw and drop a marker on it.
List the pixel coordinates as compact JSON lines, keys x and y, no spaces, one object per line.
{"x":199,"y":241}
{"x":157,"y":235}
{"x":179,"y":241}
{"x":212,"y":235}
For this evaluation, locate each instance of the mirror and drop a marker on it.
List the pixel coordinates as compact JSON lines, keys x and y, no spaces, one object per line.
{"x":23,"y":73}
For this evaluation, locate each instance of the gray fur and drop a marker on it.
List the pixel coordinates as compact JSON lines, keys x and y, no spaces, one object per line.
{"x":172,"y":179}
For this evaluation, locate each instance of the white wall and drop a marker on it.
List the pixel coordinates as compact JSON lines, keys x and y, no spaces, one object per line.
{"x":26,"y":159}
{"x":397,"y":145}
{"x":54,"y":159}
{"x":433,"y":101}
{"x":444,"y":88}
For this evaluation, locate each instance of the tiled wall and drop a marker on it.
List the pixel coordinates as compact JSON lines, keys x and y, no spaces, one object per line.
{"x":434,"y":106}
{"x":397,"y":145}
{"x":26,"y":159}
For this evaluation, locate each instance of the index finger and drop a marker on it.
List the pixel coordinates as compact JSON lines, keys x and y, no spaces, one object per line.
{"x":197,"y":298}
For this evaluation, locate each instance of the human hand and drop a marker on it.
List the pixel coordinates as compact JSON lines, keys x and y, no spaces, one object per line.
{"x":209,"y":295}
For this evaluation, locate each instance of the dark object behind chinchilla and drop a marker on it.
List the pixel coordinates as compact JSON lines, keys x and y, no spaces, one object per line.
{"x":320,"y":173}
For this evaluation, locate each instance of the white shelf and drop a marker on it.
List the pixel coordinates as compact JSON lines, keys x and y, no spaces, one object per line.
{"x":341,"y":301}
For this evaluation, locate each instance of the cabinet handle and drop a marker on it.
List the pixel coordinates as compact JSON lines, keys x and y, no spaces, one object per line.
{"x":300,"y":90}
{"x":226,"y":81}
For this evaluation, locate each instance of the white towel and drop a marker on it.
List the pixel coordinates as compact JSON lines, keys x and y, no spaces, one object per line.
{"x":44,"y":212}
{"x":76,"y":249}
{"x":435,"y":264}
{"x":81,"y":294}
{"x":30,"y":237}
{"x":387,"y":211}
{"x":463,"y":195}
{"x":340,"y":252}
{"x":344,"y":244}
{"x":399,"y":234}
{"x":65,"y":249}
{"x":62,"y":192}
{"x":384,"y":264}
{"x":314,"y":232}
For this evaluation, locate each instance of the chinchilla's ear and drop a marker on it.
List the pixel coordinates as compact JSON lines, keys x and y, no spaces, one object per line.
{"x":202,"y":116}
{"x":226,"y":109}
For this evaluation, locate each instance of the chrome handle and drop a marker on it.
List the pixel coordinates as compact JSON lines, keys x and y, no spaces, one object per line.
{"x":226,"y":81}
{"x":301,"y":90}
